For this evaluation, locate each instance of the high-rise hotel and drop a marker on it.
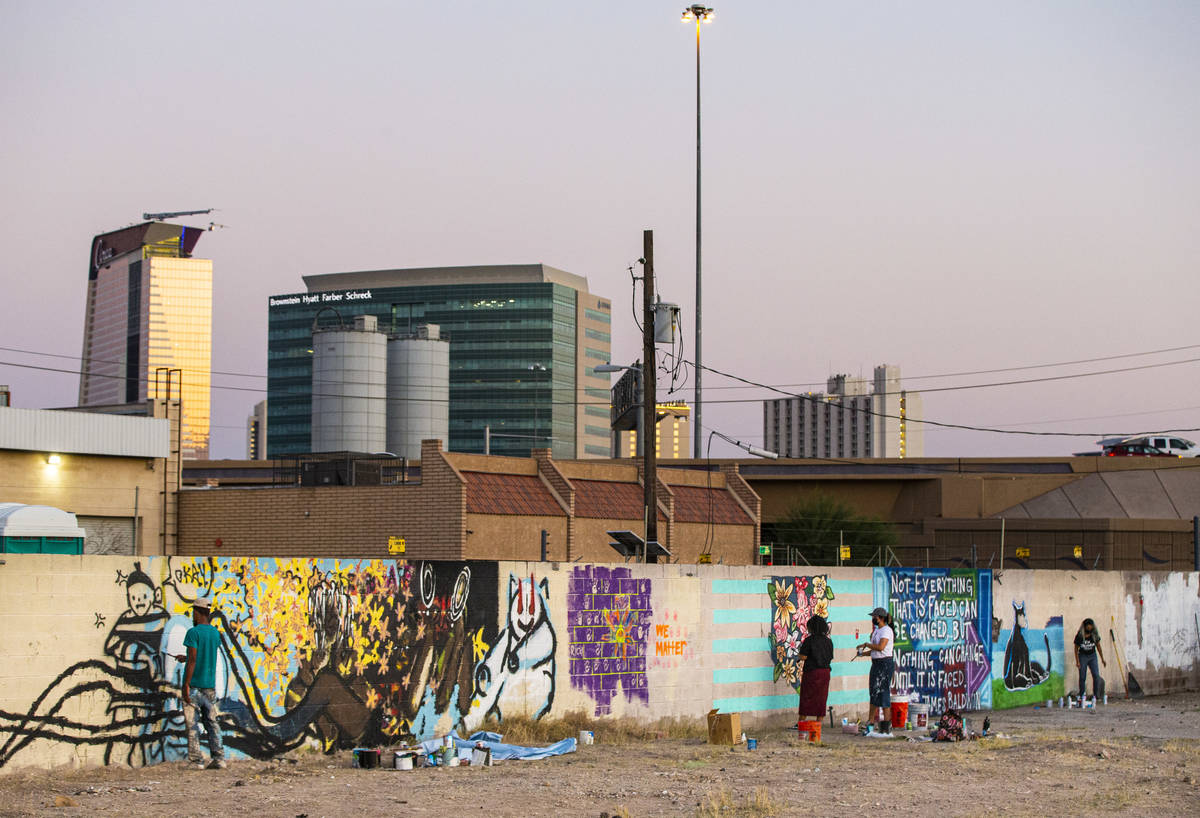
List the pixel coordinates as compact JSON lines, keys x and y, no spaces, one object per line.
{"x":847,"y":420}
{"x":149,"y":319}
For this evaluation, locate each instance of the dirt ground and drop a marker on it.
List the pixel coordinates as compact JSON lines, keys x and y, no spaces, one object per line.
{"x":1129,"y":758}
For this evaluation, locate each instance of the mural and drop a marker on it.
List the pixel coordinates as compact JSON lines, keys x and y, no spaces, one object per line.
{"x":609,"y":618}
{"x":670,"y":642}
{"x":943,"y":633}
{"x":794,"y":600}
{"x":332,"y":652}
{"x":1027,"y":664}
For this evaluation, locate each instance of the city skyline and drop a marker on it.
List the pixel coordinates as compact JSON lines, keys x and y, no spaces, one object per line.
{"x":950,"y":189}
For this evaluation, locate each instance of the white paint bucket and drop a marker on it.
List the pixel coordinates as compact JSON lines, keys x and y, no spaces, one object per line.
{"x":919,"y":711}
{"x":481,"y":757}
{"x":587,"y":737}
{"x":403,"y":761}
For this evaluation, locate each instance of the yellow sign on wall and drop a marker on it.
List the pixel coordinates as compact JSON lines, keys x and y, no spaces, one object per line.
{"x":845,"y":552}
{"x":1022,"y":553}
{"x":395,"y":545}
{"x":705,"y":559}
{"x":1078,"y":552}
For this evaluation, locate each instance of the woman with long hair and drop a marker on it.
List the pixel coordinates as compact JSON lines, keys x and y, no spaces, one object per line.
{"x":817,"y":651}
{"x":883,"y":637}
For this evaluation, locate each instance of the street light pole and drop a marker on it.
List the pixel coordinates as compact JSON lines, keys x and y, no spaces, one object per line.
{"x":699,"y":13}
{"x":536,"y":394}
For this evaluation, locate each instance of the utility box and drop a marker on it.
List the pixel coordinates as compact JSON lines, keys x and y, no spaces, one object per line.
{"x":666,"y":319}
{"x":724,"y":728}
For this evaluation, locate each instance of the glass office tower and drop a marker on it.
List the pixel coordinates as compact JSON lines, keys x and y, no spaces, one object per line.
{"x":524,"y":340}
{"x":149,"y":310}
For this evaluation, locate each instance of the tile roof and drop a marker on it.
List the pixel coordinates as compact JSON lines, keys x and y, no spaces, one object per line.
{"x":695,"y":504}
{"x":609,"y":500}
{"x":521,"y":494}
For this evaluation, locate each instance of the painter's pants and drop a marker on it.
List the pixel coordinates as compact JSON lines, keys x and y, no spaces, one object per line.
{"x":204,"y":704}
{"x":1089,"y":661}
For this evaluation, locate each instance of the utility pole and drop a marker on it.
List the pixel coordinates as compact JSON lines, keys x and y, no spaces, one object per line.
{"x":647,"y":435}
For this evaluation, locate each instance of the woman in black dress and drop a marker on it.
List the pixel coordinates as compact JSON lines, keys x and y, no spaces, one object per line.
{"x":817,"y":651}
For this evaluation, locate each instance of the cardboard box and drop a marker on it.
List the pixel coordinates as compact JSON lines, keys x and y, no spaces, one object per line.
{"x":724,"y":728}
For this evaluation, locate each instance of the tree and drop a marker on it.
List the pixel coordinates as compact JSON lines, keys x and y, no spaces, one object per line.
{"x":817,"y":524}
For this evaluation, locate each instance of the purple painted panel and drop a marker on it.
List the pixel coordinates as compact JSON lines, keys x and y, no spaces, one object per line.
{"x":608,"y":626}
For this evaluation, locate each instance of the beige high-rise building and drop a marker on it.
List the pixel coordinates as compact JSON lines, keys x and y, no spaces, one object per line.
{"x":148,"y":324}
{"x":672,"y":440}
{"x":854,"y":417}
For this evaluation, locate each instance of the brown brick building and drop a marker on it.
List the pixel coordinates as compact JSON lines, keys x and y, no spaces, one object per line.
{"x":467,"y":506}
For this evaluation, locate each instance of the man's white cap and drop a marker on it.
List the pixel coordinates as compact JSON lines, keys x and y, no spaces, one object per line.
{"x":204,"y":602}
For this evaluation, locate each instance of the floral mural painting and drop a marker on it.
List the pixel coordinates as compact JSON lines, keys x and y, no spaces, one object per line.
{"x":794,"y":600}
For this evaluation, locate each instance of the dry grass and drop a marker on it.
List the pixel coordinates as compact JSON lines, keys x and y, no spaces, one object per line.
{"x":721,"y":803}
{"x":608,"y":731}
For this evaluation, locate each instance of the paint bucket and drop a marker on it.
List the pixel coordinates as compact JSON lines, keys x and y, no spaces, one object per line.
{"x":899,"y":711}
{"x":481,"y":756}
{"x":809,"y":730}
{"x":403,"y":761}
{"x":920,"y":714}
{"x":751,"y":744}
{"x":1049,"y":703}
{"x":447,"y":755}
{"x":587,"y":737}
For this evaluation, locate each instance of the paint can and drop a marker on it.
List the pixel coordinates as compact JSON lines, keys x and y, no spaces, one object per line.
{"x":920,"y":714}
{"x":751,"y":744}
{"x":587,"y":737}
{"x":1106,"y":700}
{"x":447,"y":755}
{"x":403,"y":761}
{"x":1049,"y":703}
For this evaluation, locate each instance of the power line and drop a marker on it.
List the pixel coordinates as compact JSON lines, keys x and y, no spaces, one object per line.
{"x":786,"y":385}
{"x":800,"y":396}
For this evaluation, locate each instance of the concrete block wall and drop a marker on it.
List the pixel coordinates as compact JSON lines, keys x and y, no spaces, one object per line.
{"x":397,"y":648}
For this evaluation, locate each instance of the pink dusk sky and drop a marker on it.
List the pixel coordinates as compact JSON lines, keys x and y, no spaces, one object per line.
{"x":949,"y":187}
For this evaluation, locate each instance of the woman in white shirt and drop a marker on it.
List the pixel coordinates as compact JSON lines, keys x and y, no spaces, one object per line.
{"x":882,"y":667}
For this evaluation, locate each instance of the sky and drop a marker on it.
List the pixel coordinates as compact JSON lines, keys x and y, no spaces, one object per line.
{"x":948,"y":187}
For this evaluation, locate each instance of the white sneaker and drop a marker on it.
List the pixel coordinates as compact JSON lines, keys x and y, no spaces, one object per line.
{"x":217,"y":764}
{"x":197,"y":765}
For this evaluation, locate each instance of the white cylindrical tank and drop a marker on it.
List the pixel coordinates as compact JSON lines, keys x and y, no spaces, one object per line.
{"x":349,"y":388}
{"x":418,"y":368}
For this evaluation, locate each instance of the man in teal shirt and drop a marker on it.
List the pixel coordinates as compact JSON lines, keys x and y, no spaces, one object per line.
{"x":203,"y":643}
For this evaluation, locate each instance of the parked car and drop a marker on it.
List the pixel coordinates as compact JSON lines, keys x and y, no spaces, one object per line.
{"x":1135,"y":450}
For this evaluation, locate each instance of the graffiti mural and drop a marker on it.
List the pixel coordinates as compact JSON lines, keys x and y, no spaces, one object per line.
{"x":329,"y":652}
{"x":670,"y":642}
{"x":1027,"y":663}
{"x":794,"y":600}
{"x":943,"y":633}
{"x":609,"y":620}
{"x":519,"y":669}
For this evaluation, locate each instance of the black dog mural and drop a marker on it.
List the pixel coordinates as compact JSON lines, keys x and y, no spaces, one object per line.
{"x":1019,"y":672}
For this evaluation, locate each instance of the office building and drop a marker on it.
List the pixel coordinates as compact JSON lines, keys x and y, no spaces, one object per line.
{"x":672,"y":440}
{"x":852,"y":418}
{"x":148,"y":325}
{"x":523,"y":341}
{"x":256,"y":432}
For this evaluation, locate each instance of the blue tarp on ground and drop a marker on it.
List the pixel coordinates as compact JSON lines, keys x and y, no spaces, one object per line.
{"x":500,"y":750}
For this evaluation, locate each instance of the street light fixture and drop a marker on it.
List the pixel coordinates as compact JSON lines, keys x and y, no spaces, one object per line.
{"x":699,"y":14}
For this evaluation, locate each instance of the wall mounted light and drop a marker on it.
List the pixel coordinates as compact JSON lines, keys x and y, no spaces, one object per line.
{"x":53,"y":459}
